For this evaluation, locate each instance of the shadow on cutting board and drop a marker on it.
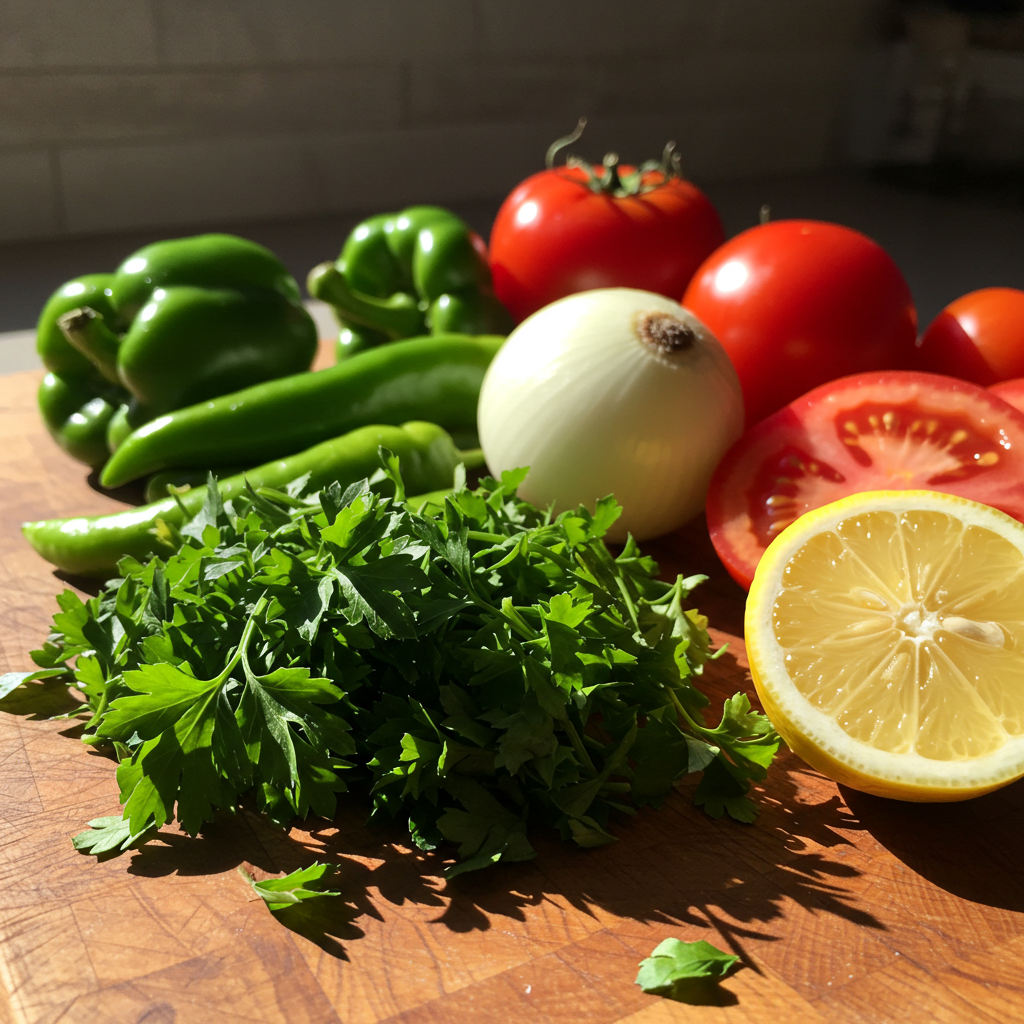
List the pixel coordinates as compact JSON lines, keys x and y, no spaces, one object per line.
{"x":671,"y":866}
{"x":945,"y":843}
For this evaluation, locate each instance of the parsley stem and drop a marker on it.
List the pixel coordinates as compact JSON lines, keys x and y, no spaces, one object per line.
{"x":628,"y":599}
{"x":281,"y":497}
{"x":696,"y":726}
{"x":577,"y":745}
{"x":243,"y":643}
{"x":97,"y":715}
{"x":560,"y":560}
{"x":511,"y":615}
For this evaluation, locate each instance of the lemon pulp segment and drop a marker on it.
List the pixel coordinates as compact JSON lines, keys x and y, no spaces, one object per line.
{"x":888,"y":645}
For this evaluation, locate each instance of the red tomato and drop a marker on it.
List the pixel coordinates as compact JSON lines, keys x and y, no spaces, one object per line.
{"x":555,"y":235}
{"x":893,"y":430}
{"x":797,"y":303}
{"x":979,"y":337}
{"x":1011,"y":391}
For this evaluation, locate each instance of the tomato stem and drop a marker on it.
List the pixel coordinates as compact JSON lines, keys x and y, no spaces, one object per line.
{"x":566,"y":140}
{"x":609,"y":180}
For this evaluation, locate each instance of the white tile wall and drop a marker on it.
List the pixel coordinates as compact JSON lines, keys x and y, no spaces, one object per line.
{"x":18,"y":352}
{"x":250,"y":32}
{"x":989,"y":131}
{"x":998,"y":75}
{"x":563,"y":31}
{"x":76,"y":33}
{"x":118,"y":188}
{"x":116,"y":116}
{"x":793,"y":25}
{"x":129,"y":107}
{"x":28,"y":195}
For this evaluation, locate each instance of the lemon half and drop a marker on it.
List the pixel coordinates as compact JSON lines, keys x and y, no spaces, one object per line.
{"x":885,"y":634}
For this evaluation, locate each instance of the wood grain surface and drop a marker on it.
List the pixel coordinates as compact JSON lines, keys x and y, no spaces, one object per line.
{"x":843,"y":907}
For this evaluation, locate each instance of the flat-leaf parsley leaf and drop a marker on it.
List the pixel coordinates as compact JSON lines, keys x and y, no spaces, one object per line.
{"x":673,"y":961}
{"x":304,"y":884}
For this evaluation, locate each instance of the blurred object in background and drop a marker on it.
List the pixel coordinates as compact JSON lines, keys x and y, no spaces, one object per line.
{"x":938,"y":82}
{"x":946,"y":91}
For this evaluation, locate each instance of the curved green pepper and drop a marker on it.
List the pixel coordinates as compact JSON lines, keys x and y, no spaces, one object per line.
{"x":435,"y":378}
{"x":178,"y":322}
{"x":404,"y":274}
{"x":76,"y":401}
{"x":93,"y":545}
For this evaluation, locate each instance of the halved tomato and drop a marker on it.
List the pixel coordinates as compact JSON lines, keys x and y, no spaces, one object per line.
{"x":890,"y":430}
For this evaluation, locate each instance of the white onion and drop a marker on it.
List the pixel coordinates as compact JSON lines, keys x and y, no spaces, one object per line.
{"x":583,"y":395}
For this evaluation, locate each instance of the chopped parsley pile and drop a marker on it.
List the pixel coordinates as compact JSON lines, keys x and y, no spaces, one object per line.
{"x":476,"y":669}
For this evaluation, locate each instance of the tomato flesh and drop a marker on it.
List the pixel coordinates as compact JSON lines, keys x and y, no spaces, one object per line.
{"x":894,"y":430}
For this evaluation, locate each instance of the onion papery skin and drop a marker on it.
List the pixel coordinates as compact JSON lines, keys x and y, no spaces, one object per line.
{"x":576,"y":395}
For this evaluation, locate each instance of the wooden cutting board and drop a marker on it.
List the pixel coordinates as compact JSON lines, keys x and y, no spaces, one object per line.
{"x":842,"y":907}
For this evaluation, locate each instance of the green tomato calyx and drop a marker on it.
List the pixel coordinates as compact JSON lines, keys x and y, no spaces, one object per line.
{"x":608,"y":178}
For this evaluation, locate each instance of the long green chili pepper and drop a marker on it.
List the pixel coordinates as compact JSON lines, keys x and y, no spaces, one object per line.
{"x":93,"y":545}
{"x":433,"y":378}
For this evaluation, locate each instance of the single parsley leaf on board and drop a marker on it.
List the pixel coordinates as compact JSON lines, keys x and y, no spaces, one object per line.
{"x":107,"y":837}
{"x":674,"y":961}
{"x":12,"y":680}
{"x":302,"y":884}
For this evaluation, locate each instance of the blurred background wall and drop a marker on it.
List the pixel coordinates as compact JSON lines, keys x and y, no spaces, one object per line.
{"x":119,"y":115}
{"x":125,"y":121}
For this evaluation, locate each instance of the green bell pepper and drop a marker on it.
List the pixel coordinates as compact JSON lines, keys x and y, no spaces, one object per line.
{"x":402,"y":275}
{"x":179,"y":322}
{"x":76,"y":401}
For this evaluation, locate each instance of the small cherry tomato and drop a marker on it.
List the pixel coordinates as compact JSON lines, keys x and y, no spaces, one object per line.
{"x":896,"y":430}
{"x":576,"y":227}
{"x":979,"y":337}
{"x":797,"y":303}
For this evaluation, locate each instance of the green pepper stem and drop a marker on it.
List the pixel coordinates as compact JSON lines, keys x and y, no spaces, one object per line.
{"x":88,"y":332}
{"x":397,"y":316}
{"x":473,"y":458}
